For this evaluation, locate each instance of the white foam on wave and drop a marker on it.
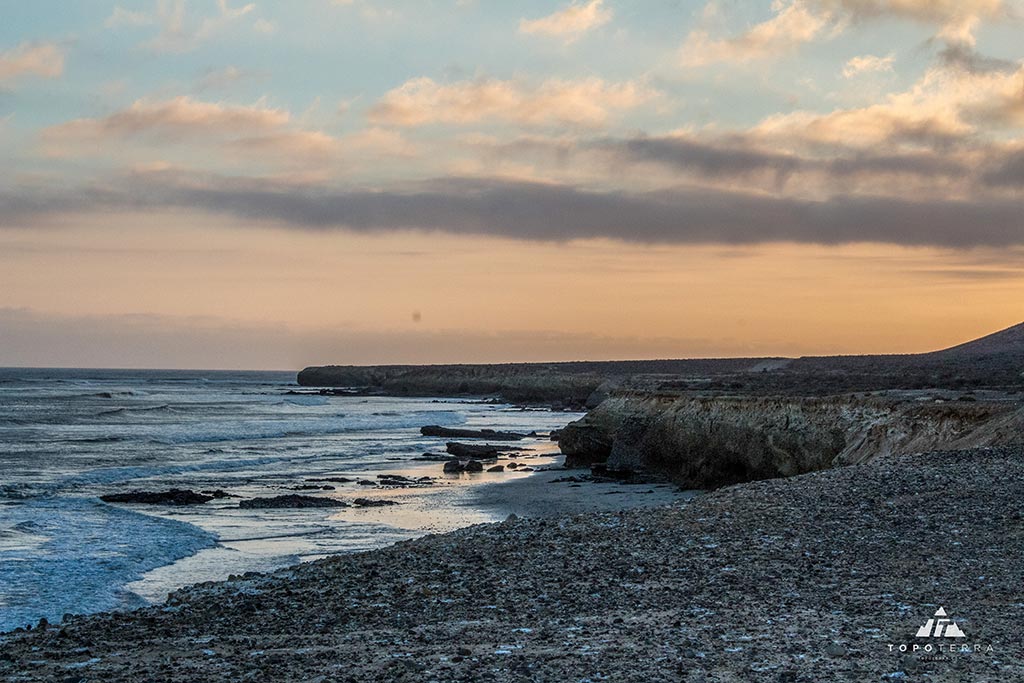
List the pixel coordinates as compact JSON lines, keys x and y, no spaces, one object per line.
{"x":243,"y":430}
{"x":89,"y":552}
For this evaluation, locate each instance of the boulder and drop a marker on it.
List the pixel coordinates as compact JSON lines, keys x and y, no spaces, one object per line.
{"x":474,"y":466}
{"x":373,"y":502}
{"x":170,"y":497}
{"x":453,"y":467}
{"x":496,"y":468}
{"x":489,"y":434}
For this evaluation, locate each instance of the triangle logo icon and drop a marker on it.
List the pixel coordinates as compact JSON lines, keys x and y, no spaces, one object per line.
{"x":940,"y":626}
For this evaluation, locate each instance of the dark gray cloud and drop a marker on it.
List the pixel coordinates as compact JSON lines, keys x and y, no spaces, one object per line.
{"x":965,"y":57}
{"x":536,"y":211}
{"x":709,"y":159}
{"x":738,"y":157}
{"x":1008,"y":172}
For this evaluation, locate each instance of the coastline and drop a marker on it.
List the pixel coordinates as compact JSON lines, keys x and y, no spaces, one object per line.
{"x":812,"y":576}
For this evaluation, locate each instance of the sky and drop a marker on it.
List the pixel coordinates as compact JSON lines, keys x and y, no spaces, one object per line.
{"x":223,"y":184}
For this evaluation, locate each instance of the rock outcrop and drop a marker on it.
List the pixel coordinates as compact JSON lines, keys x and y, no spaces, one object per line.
{"x":704,"y":442}
{"x":489,"y":434}
{"x":291,"y":501}
{"x":170,"y":497}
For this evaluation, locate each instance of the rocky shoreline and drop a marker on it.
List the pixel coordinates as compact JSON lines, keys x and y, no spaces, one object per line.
{"x":817,"y":577}
{"x":709,"y":441}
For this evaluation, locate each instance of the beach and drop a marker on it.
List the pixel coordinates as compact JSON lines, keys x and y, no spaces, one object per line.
{"x":815,"y":577}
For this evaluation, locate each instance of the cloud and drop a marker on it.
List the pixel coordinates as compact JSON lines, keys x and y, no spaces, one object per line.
{"x":257,"y":131}
{"x":793,"y":24}
{"x":265,"y":27}
{"x":220,"y":79}
{"x":44,"y":60}
{"x":1007,"y":172}
{"x":966,"y":58}
{"x":588,"y":102}
{"x":170,"y":119}
{"x":867,"y":64}
{"x":547,"y":212}
{"x":928,"y":11}
{"x":738,"y":156}
{"x":946,"y":107}
{"x":569,"y":23}
{"x":121,"y":17}
{"x":797,"y":22}
{"x":177,"y":31}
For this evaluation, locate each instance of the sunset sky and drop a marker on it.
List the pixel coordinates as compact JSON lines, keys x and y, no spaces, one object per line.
{"x":222,"y":184}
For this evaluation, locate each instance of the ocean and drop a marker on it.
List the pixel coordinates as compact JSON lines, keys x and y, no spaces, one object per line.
{"x":69,"y":436}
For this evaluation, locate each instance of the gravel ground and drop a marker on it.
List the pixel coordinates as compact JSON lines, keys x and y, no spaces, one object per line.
{"x":805,"y":579}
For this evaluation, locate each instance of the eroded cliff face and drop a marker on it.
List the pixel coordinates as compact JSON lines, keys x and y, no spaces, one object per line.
{"x":704,"y":442}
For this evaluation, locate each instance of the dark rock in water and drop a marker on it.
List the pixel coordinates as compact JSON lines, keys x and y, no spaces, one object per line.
{"x":367,"y":482}
{"x":291,"y":501}
{"x":336,"y":480}
{"x":474,"y":466}
{"x":217,"y":494}
{"x":311,"y":487}
{"x":513,"y":465}
{"x":453,"y":467}
{"x":496,"y":468}
{"x":434,"y":457}
{"x":171,"y":497}
{"x":489,"y":434}
{"x":481,"y":452}
{"x":373,"y":502}
{"x":555,"y":435}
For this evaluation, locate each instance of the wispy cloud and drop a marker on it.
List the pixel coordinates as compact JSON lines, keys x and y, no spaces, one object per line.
{"x":867,"y":64}
{"x":587,"y":102}
{"x":570,"y":23}
{"x":172,"y":119}
{"x":178,"y":31}
{"x":793,"y":24}
{"x":121,"y":17}
{"x":797,"y":22}
{"x":43,"y":60}
{"x":257,"y":130}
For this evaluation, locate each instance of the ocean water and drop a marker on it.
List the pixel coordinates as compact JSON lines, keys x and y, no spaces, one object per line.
{"x":69,"y":436}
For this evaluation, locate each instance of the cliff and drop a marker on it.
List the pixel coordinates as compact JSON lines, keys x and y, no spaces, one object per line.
{"x":995,"y":361}
{"x":704,"y":442}
{"x":568,"y":384}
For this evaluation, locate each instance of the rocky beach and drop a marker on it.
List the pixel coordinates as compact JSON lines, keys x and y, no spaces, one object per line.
{"x":825,"y":576}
